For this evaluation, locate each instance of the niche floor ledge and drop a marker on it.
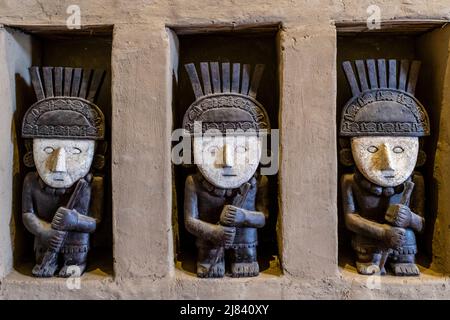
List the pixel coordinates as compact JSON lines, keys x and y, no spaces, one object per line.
{"x":350,"y":274}
{"x":18,"y":277}
{"x":182,"y":286}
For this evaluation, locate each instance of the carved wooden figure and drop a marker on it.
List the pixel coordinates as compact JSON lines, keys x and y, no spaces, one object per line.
{"x":62,"y":201}
{"x":226,"y":201}
{"x":384,"y":198}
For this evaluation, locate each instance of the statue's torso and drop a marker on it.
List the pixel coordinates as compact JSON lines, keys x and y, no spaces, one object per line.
{"x":211,"y":203}
{"x":371,"y":206}
{"x":44,"y":201}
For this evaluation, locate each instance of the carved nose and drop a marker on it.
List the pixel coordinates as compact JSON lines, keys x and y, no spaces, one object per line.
{"x":227,"y":156}
{"x":386,"y":161}
{"x":59,"y":160}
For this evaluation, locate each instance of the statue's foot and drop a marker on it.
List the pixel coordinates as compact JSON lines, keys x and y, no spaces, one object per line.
{"x":405,"y":269}
{"x":68,"y":271}
{"x":45,"y":271}
{"x":206,"y":270}
{"x":244,"y":269}
{"x":369,"y":268}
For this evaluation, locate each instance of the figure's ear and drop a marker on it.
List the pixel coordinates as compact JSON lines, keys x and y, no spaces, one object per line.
{"x":189,"y":146}
{"x":344,"y":143}
{"x":28,"y":158}
{"x":346,"y":157}
{"x":345,"y":154}
{"x":268,"y":155}
{"x":421,"y":158}
{"x":100,"y":155}
{"x":190,"y":164}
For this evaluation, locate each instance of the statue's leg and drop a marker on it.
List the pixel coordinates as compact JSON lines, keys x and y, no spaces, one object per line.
{"x":210,"y":262}
{"x":403,"y":260}
{"x":368,"y":255}
{"x":369,"y":263}
{"x":74,"y":264}
{"x":39,"y":252}
{"x":44,"y":269}
{"x":244,"y":263}
{"x":405,"y":265}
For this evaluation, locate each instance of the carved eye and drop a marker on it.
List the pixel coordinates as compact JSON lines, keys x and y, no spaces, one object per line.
{"x":48,"y":150}
{"x":213,"y":150}
{"x":241,"y":149}
{"x":76,"y":150}
{"x":372,"y":149}
{"x":398,"y":149}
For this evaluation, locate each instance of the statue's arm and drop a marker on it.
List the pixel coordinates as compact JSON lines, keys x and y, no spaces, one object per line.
{"x":234,"y":216}
{"x":71,"y":220}
{"x":353,"y":220}
{"x":257,"y":219}
{"x":418,"y":203}
{"x":201,"y":229}
{"x":88,"y":224}
{"x":32,"y":222}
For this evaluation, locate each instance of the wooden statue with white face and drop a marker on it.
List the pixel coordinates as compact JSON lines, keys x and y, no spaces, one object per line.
{"x":226,"y":200}
{"x":384,"y":198}
{"x":62,"y":201}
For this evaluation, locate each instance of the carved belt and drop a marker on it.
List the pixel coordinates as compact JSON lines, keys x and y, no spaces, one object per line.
{"x":203,"y":244}
{"x":75,"y":249}
{"x":243,"y":245}
{"x":66,"y":249}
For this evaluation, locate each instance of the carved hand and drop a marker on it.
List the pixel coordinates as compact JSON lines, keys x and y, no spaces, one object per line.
{"x":394,"y":237}
{"x":51,"y":238}
{"x":399,"y":215}
{"x":226,"y":235}
{"x":65,"y":219}
{"x":232,"y":216}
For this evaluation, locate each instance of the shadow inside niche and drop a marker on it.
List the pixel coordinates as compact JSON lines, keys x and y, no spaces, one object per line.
{"x":252,"y":48}
{"x":21,"y":238}
{"x":395,"y":46}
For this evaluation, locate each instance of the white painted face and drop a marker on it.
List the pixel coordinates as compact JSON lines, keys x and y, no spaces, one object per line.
{"x":62,"y":162}
{"x":227,"y":162}
{"x":385,"y":161}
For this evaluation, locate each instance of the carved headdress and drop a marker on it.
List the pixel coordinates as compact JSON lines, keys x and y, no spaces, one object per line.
{"x":383,"y":104}
{"x":65,"y":109}
{"x":223,"y":103}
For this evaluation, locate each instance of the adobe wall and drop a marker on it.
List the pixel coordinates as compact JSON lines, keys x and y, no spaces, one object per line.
{"x":142,"y":58}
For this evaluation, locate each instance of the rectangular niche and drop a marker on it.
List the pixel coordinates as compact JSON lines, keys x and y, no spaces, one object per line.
{"x":428,"y":42}
{"x":88,"y":48}
{"x":246,"y":45}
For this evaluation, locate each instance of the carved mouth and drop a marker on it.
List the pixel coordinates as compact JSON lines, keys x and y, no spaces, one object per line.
{"x":58,"y":177}
{"x":388,"y":174}
{"x":229,"y":174}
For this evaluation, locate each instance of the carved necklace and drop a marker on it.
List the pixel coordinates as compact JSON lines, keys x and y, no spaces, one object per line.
{"x":222,"y":192}
{"x":376,"y":189}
